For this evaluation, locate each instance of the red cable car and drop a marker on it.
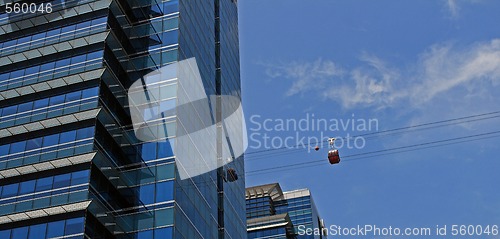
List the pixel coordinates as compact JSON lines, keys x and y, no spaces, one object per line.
{"x":333,"y":156}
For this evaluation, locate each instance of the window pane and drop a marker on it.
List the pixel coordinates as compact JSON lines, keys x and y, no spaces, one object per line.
{"x":4,"y":150}
{"x":18,"y":147}
{"x":41,"y":103}
{"x":47,"y":66}
{"x":9,"y":110}
{"x":20,"y":233}
{"x":10,"y":190}
{"x":85,"y":133}
{"x":63,"y":62}
{"x":94,"y":55}
{"x":82,"y":25}
{"x":67,"y":137}
{"x":73,"y":96}
{"x":5,"y":234}
{"x":77,"y":59}
{"x":62,"y":180}
{"x":80,"y":177}
{"x":25,"y":107}
{"x":17,"y":73}
{"x":55,"y":229}
{"x":50,"y":140}
{"x":164,"y":149}
{"x":38,"y":36}
{"x":4,"y":77}
{"x":34,"y":144}
{"x":90,"y":92}
{"x":145,"y":234}
{"x":99,"y":20}
{"x":164,"y":191}
{"x":163,"y":233}
{"x":149,"y":151}
{"x":146,"y":193}
{"x":43,"y":184}
{"x":37,"y":231}
{"x":27,"y":187}
{"x":74,"y":226}
{"x":56,"y":100}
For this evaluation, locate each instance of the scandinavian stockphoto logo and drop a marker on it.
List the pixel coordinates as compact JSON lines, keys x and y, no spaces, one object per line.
{"x":172,"y":102}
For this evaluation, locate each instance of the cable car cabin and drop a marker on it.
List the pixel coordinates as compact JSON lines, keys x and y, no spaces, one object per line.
{"x":231,"y":175}
{"x":333,"y":156}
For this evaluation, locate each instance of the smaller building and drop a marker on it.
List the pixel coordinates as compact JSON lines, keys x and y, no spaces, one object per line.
{"x":272,"y":213}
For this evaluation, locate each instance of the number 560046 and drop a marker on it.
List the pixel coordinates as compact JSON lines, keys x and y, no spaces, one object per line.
{"x":28,"y":8}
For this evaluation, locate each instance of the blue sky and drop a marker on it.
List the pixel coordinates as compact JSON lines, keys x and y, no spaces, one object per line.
{"x":402,"y":63}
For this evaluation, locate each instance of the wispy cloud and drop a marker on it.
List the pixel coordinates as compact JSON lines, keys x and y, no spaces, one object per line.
{"x":453,"y":7}
{"x":305,"y":76}
{"x":442,"y":69}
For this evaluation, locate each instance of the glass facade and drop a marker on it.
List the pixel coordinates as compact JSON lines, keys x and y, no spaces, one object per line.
{"x":70,"y":164}
{"x":272,"y":213}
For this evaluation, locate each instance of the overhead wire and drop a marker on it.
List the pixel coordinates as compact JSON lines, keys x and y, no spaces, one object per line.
{"x":254,"y":155}
{"x":400,"y":149}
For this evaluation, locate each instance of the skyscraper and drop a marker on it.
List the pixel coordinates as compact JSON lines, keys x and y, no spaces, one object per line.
{"x":272,"y":213}
{"x":70,"y":163}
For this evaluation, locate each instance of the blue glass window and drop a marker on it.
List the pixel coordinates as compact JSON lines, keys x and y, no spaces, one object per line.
{"x":164,"y":191}
{"x":170,"y":37}
{"x":43,"y":184}
{"x":149,"y":151}
{"x":41,"y":103}
{"x":37,"y":231}
{"x":16,"y":74}
{"x":145,"y":234}
{"x":80,"y":177}
{"x":74,"y":226}
{"x":99,"y":21}
{"x":56,"y":100}
{"x":38,"y":36}
{"x":4,"y":149}
{"x":62,"y":180}
{"x":67,"y":137}
{"x":20,"y":233}
{"x":27,"y":187}
{"x":77,"y":59}
{"x":146,"y":194}
{"x":85,"y":133}
{"x":90,"y":92}
{"x":50,"y":140}
{"x":9,"y":110}
{"x":94,"y":55}
{"x":34,"y":144}
{"x":82,"y":25}
{"x":171,"y":6}
{"x":63,"y":62}
{"x":18,"y":147}
{"x":73,"y":96}
{"x":165,"y":149}
{"x":10,"y":190}
{"x":25,"y":107}
{"x":163,"y":233}
{"x":4,"y":77}
{"x":47,"y":66}
{"x":55,"y":229}
{"x":5,"y":234}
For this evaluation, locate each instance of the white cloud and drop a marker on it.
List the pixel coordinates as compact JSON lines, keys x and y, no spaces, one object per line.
{"x":440,"y":72}
{"x":444,"y":69}
{"x":453,"y":7}
{"x":305,"y":75}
